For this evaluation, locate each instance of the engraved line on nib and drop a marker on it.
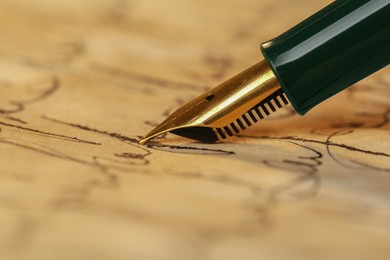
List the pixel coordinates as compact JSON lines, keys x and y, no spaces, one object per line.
{"x":227,"y":109}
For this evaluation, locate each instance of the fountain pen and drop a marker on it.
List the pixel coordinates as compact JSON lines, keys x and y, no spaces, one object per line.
{"x":336,"y":47}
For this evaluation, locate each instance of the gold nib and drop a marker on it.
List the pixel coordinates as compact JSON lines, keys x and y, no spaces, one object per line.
{"x":226,"y":109}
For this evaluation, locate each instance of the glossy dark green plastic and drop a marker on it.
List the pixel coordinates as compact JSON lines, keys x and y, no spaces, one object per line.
{"x":333,"y":49}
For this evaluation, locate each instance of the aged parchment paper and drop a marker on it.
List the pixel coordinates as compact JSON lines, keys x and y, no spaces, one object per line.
{"x":81,"y":81}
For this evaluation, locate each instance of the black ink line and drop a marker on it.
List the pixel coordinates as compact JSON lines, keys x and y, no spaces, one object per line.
{"x":371,"y":166}
{"x":384,"y":120}
{"x":20,"y":105}
{"x":331,"y":154}
{"x":14,"y":119}
{"x":354,"y":161}
{"x":330,"y":143}
{"x":48,"y":92}
{"x":129,"y":140}
{"x":89,"y":129}
{"x":18,"y":108}
{"x":48,"y":153}
{"x":138,"y":160}
{"x":158,"y":146}
{"x":135,"y":141}
{"x":48,"y":134}
{"x":310,"y":175}
{"x":385,"y":117}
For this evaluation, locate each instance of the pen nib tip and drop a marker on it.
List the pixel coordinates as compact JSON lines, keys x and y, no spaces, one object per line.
{"x":143,"y":141}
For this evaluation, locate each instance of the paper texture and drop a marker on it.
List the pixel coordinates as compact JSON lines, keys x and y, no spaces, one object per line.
{"x":82,"y":81}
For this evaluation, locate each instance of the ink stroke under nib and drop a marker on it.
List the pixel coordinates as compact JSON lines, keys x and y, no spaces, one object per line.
{"x":226,"y":109}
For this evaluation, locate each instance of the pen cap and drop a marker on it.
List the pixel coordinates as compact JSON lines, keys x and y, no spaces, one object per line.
{"x":331,"y":50}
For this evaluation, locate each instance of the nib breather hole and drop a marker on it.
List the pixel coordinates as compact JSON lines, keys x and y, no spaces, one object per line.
{"x":210,"y":97}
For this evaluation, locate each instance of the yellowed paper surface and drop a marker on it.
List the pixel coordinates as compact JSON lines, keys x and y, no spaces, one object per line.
{"x":82,"y":81}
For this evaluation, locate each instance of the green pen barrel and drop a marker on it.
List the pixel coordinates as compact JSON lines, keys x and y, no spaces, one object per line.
{"x":331,"y":50}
